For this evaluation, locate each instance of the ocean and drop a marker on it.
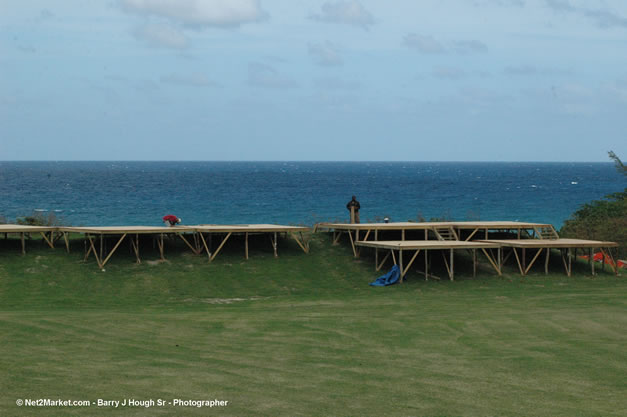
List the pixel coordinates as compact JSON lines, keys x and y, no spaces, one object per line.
{"x":141,"y":193}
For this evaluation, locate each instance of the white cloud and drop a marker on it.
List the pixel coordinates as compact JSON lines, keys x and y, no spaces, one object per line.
{"x":424,"y":44}
{"x":449,"y":73}
{"x":193,"y":80}
{"x":262,"y":75}
{"x":325,"y":54}
{"x":429,"y":45}
{"x":336,"y":84}
{"x":199,"y":12}
{"x":344,"y":12}
{"x":525,"y":70}
{"x":469,"y":47}
{"x":604,"y":18}
{"x":161,"y":35}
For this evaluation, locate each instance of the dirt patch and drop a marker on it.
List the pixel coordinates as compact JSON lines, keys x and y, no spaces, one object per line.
{"x":223,"y":300}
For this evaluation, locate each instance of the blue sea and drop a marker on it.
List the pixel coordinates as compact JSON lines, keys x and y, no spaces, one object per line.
{"x":141,"y":193}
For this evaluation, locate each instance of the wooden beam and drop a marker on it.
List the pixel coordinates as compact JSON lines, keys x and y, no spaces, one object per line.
{"x":187,"y":243}
{"x":492,"y":262}
{"x":204,"y":243}
{"x":67,"y":242}
{"x":48,"y":241}
{"x":379,"y":266}
{"x":533,"y":260}
{"x":113,"y":250}
{"x":472,"y":234}
{"x":522,"y":272}
{"x":411,"y":261}
{"x":220,"y":247}
{"x":304,"y":246}
{"x":352,"y":244}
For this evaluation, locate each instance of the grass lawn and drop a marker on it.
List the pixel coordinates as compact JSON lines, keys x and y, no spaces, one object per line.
{"x":304,"y":335}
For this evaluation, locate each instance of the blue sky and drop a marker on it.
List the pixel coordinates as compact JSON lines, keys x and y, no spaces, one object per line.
{"x":458,"y":80}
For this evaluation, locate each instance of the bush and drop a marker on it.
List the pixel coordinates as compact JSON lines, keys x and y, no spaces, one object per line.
{"x":40,"y":219}
{"x":601,"y":220}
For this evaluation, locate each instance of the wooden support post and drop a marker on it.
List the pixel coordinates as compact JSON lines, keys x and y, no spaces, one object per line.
{"x":204,"y":243}
{"x":101,"y":247}
{"x":378,"y":266}
{"x":161,"y":246}
{"x":67,"y":242}
{"x":246,"y":244}
{"x":546,"y":261}
{"x":400,"y":258}
{"x":337,"y":238}
{"x":23,"y":243}
{"x":522,"y":271}
{"x":474,"y":263}
{"x":350,"y":235}
{"x":611,"y":259}
{"x":570,"y":262}
{"x":426,"y":263}
{"x":376,"y":251}
{"x":403,"y":234}
{"x":452,"y":266}
{"x":135,"y":246}
{"x":274,"y":245}
{"x":524,"y":260}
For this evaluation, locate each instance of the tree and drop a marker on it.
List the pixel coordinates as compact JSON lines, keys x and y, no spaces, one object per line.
{"x":619,"y":164}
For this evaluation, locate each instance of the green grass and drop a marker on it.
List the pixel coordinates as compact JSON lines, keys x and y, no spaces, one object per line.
{"x":305,"y":335}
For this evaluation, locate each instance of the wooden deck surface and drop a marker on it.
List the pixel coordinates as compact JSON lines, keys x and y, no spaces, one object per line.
{"x":552,"y":243}
{"x":426,"y":244}
{"x":19,"y":228}
{"x":430,"y":225}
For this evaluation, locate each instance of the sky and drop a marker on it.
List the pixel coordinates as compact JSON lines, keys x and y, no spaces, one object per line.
{"x":339,"y":80}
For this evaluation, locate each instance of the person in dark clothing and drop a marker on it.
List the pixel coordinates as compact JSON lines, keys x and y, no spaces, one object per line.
{"x":353,"y":207}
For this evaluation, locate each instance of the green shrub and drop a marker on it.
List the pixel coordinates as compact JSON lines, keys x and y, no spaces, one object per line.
{"x":40,"y":219}
{"x":604,"y":219}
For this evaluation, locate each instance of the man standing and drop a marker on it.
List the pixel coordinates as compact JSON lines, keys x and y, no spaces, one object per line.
{"x":353,"y":206}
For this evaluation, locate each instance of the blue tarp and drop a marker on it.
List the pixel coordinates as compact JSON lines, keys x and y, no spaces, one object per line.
{"x":390,"y":278}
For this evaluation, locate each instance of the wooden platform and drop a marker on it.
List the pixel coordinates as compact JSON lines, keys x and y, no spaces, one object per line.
{"x":197,"y":237}
{"x":416,"y":246}
{"x":446,"y":231}
{"x":566,"y":247}
{"x":46,"y":232}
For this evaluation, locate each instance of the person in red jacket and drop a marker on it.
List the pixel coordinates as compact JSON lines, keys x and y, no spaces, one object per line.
{"x":171,"y":220}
